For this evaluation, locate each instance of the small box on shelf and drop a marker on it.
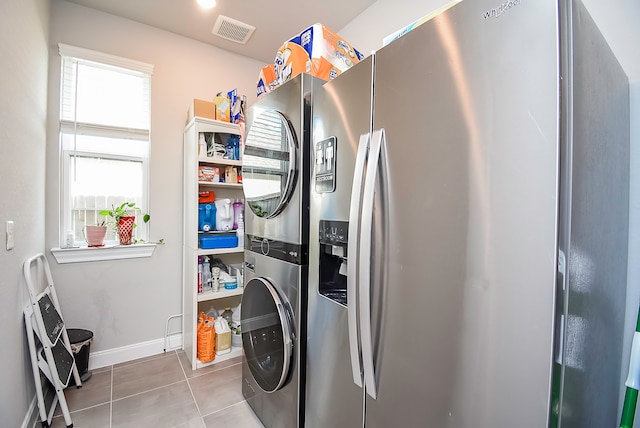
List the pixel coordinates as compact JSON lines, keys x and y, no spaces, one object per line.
{"x":201,"y":108}
{"x":209,"y":174}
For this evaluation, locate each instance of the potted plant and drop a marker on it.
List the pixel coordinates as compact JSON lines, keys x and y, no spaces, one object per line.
{"x":94,"y":235}
{"x":124,"y":220}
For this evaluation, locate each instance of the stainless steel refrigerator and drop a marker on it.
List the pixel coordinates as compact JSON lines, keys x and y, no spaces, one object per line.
{"x":469,"y":224}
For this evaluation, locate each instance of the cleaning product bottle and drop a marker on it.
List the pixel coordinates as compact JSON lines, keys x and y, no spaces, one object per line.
{"x":228,"y":315}
{"x":206,"y":274}
{"x":238,"y":208}
{"x":240,"y":230}
{"x":199,"y":274}
{"x":202,"y":146}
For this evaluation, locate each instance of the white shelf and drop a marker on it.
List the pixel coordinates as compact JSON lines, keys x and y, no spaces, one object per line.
{"x":214,"y":160}
{"x":214,"y":251}
{"x":220,"y":294}
{"x":235,"y":352}
{"x":227,"y":185}
{"x":191,"y":299}
{"x":108,"y":252}
{"x":210,"y":125}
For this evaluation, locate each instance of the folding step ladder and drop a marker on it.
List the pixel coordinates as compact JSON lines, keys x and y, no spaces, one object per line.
{"x":50,"y":348}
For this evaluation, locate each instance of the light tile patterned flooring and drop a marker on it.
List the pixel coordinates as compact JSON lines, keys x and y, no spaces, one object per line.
{"x":160,"y":391}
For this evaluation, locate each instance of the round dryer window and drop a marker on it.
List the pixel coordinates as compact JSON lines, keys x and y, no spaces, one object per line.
{"x":266,"y":334}
{"x":269,"y":164}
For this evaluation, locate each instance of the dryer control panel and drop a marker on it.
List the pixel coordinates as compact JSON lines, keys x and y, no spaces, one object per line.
{"x":286,"y":251}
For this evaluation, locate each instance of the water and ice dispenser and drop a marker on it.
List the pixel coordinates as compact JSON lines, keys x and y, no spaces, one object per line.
{"x":333,"y":260}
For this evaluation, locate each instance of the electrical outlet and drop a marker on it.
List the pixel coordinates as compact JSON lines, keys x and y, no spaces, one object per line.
{"x":9,"y":235}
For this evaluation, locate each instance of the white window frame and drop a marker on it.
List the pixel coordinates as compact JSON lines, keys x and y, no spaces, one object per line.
{"x":67,"y":204}
{"x":68,"y":255}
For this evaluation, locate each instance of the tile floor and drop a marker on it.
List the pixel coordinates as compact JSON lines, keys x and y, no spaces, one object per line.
{"x":160,"y":391}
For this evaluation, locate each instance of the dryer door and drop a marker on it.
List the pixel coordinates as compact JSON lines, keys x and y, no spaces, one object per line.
{"x":267,"y":334}
{"x":269,"y":164}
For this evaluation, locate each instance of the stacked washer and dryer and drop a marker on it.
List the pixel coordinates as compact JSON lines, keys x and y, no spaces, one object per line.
{"x":276,"y":180}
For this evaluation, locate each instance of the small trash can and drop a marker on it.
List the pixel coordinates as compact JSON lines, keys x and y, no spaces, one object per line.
{"x":80,"y":341}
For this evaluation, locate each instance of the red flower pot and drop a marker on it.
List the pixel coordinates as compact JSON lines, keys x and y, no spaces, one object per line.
{"x":125,"y":229}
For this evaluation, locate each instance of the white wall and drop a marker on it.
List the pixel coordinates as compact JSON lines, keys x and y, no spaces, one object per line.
{"x":24,"y":29}
{"x":127,"y":302}
{"x":618,"y":21}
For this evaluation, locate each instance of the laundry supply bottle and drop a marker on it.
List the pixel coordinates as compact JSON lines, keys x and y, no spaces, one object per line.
{"x":202,"y":146}
{"x":240,"y":232}
{"x":199,"y":274}
{"x":238,"y":209}
{"x":228,"y":315}
{"x":206,"y":274}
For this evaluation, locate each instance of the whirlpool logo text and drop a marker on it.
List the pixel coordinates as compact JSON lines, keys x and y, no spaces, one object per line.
{"x":498,"y":11}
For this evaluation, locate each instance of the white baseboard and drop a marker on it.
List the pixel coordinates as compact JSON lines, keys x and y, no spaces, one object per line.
{"x":132,"y":352}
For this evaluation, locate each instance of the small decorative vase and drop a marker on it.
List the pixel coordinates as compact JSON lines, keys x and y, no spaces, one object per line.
{"x":94,"y":235}
{"x":125,"y":229}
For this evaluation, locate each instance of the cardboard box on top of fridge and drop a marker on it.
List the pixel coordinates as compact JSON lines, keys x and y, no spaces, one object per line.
{"x":201,"y":108}
{"x":291,"y":60}
{"x":223,"y":108}
{"x":266,"y":79}
{"x":329,"y":53}
{"x":317,"y":51}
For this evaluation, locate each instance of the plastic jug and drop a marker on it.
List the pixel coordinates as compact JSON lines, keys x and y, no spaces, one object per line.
{"x":224,"y":215}
{"x":238,"y":210}
{"x":206,"y":217}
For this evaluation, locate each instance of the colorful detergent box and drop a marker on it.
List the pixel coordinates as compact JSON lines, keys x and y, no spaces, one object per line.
{"x":234,"y":106}
{"x":317,"y":51}
{"x":291,"y":60}
{"x":223,"y":241}
{"x":330,"y":54}
{"x":266,"y":80}
{"x":223,"y":108}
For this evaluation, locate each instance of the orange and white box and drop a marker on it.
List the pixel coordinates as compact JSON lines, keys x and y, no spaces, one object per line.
{"x":208,"y":173}
{"x":223,"y":108}
{"x":290,"y":61}
{"x":329,"y":53}
{"x":266,"y":80}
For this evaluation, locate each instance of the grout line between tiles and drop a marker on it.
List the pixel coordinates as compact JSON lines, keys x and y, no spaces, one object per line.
{"x":193,"y":397}
{"x":143,"y":360}
{"x":224,"y":408}
{"x":213,"y":371}
{"x":150,"y":390}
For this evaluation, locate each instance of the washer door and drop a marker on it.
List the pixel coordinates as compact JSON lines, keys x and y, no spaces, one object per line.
{"x":269,"y":164}
{"x":267,"y":334}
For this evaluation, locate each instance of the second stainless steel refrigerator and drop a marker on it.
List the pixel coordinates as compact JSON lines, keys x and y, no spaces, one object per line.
{"x":468,"y":238}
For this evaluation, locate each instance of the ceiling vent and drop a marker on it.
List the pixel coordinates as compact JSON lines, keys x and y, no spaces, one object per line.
{"x":233,"y":30}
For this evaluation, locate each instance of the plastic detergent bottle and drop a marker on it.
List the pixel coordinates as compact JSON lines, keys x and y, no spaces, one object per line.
{"x":206,"y":274}
{"x":228,"y":315}
{"x":202,"y":146}
{"x":240,"y":232}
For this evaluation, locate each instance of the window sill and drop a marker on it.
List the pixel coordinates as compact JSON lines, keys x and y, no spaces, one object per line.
{"x":94,"y":254}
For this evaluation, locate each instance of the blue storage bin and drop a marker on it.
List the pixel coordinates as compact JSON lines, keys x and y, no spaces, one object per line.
{"x":222,"y":241}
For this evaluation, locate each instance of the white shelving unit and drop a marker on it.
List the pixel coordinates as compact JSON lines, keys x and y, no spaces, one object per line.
{"x":193,"y":302}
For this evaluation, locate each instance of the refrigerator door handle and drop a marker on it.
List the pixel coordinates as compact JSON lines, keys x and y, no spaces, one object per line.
{"x":560,"y":307}
{"x":364,"y":262}
{"x":352,"y":262}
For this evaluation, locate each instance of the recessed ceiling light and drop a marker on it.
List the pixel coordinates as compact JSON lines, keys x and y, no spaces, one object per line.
{"x":207,"y":4}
